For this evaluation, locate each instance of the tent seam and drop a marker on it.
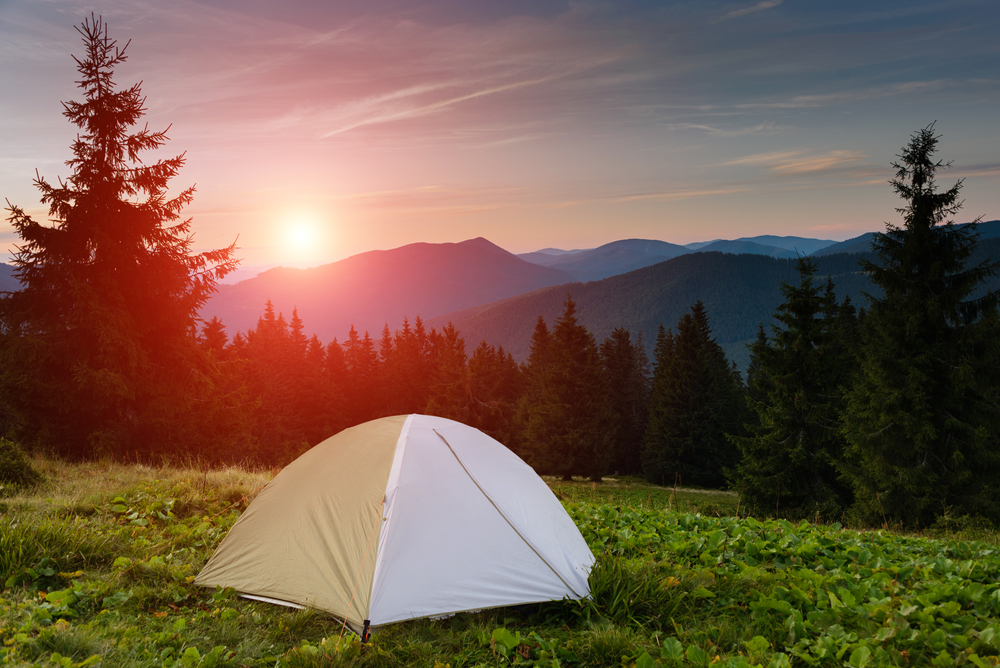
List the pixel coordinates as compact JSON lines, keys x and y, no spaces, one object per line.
{"x":501,"y":513}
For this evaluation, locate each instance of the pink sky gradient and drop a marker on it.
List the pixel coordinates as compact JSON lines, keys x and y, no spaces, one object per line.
{"x":533,"y":124}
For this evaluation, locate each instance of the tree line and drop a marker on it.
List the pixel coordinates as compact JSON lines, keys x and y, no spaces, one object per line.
{"x":886,"y":414}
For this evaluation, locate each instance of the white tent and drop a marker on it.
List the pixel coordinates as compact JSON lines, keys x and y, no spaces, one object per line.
{"x":401,"y":518}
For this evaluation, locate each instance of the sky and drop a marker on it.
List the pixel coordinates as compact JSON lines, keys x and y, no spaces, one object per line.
{"x":317,"y":129}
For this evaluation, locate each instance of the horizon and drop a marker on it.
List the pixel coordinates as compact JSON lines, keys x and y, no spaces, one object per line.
{"x":314,"y":133}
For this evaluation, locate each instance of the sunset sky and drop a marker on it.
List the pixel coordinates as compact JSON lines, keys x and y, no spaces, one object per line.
{"x":318,"y":129}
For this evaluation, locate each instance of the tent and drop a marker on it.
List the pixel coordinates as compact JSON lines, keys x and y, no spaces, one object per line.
{"x":399,"y":518}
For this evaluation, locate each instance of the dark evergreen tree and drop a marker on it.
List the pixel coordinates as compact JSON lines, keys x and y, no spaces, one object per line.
{"x":787,"y":463}
{"x":659,"y":460}
{"x":449,"y":391}
{"x":273,"y":368}
{"x":626,"y":368}
{"x":922,"y":415}
{"x":495,"y":383}
{"x":213,"y":337}
{"x":567,"y":418}
{"x":696,"y":401}
{"x":758,"y":383}
{"x":361,"y":386}
{"x":103,"y":332}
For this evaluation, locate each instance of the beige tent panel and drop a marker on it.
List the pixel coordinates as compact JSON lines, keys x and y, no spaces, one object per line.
{"x":306,"y":559}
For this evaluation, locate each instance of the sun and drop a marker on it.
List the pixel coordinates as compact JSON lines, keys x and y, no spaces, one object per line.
{"x":301,"y":237}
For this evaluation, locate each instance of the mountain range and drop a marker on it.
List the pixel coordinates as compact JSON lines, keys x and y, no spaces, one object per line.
{"x":7,"y":281}
{"x":626,"y":255}
{"x":378,"y":288}
{"x":490,"y":294}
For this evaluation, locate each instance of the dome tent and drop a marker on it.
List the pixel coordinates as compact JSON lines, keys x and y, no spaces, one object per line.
{"x":400,"y":518}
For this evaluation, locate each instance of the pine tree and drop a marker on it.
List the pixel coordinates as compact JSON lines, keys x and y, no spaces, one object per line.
{"x":361,"y":382}
{"x":659,"y":460}
{"x":495,"y":384}
{"x":449,"y":392}
{"x":627,"y":370}
{"x":922,"y":415}
{"x":788,"y":459}
{"x":568,"y":422}
{"x":103,"y":331}
{"x":213,"y":337}
{"x":696,"y":402}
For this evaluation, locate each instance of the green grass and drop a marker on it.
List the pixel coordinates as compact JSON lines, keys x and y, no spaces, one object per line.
{"x":636,"y":493}
{"x":100,"y":559}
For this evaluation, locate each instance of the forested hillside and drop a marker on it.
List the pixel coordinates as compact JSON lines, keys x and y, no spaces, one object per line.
{"x":740,"y":291}
{"x":617,"y":257}
{"x":372,"y":289}
{"x":863,"y":244}
{"x":743,"y":246}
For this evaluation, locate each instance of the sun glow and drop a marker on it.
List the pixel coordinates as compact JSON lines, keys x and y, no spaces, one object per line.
{"x":303,"y":237}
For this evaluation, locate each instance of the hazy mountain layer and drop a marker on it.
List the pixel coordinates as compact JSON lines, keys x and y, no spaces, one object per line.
{"x":7,"y":281}
{"x":619,"y":257}
{"x":739,"y":291}
{"x":370,"y":290}
{"x":987,"y":230}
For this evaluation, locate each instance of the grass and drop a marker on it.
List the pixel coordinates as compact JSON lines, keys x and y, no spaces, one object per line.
{"x":636,"y":493}
{"x":99,"y":560}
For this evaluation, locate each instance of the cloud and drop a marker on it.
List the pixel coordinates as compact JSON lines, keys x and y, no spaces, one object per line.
{"x":982,"y":169}
{"x":759,"y":7}
{"x":375,"y":112}
{"x":681,"y":193}
{"x":820,"y":163}
{"x":760,"y":128}
{"x":797,"y":162}
{"x":771,"y":158}
{"x":847,"y":97}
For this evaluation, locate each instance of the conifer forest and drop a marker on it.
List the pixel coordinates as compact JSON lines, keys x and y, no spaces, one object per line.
{"x":886,"y":411}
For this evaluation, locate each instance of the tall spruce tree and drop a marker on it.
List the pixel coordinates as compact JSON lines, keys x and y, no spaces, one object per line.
{"x":626,"y":368}
{"x":495,"y":384}
{"x":787,"y":464}
{"x":922,"y":415}
{"x":103,"y":332}
{"x":568,"y":427}
{"x":696,"y":402}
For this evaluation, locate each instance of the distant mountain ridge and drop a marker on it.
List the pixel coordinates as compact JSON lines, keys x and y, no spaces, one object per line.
{"x":989,"y":229}
{"x":7,"y":281}
{"x":739,"y":291}
{"x":372,"y":289}
{"x":619,"y":257}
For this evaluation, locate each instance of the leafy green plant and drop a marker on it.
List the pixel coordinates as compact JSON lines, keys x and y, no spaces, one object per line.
{"x":668,"y":589}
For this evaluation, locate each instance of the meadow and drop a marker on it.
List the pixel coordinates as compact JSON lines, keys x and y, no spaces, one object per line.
{"x":97,"y":563}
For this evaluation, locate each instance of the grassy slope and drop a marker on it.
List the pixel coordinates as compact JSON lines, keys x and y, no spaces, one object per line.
{"x":102,"y":557}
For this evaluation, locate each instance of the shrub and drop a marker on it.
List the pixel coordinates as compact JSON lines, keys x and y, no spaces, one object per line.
{"x":15,"y":469}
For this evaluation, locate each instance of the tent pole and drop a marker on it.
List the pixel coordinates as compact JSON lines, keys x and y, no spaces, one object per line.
{"x":365,"y":632}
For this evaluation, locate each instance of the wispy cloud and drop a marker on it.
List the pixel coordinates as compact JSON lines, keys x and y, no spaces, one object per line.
{"x":819,"y":163}
{"x":760,"y":128}
{"x":759,"y":7}
{"x":770,"y":158}
{"x":375,"y":112}
{"x":798,"y":162}
{"x":847,"y":97}
{"x":681,"y":193}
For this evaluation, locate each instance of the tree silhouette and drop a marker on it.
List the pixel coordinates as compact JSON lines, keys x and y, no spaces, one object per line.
{"x":103,"y":330}
{"x":695,"y":403}
{"x":788,"y":462}
{"x":922,"y":417}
